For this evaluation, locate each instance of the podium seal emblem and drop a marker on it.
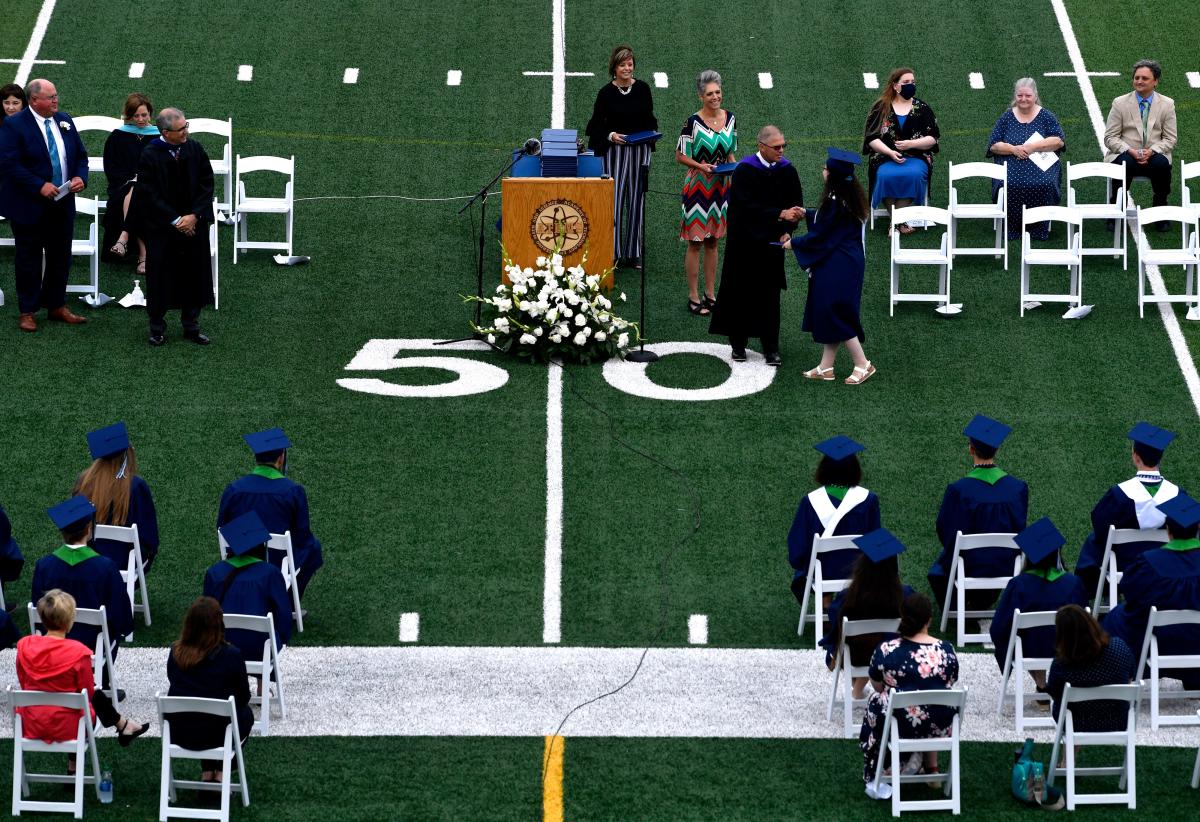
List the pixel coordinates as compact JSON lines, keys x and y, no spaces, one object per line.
{"x":559,"y":223}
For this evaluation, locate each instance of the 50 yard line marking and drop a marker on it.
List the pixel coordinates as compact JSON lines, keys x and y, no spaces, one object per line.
{"x":1165,"y":310}
{"x":558,"y":92}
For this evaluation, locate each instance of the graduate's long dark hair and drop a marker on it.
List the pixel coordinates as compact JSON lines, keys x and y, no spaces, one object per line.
{"x":846,"y":194}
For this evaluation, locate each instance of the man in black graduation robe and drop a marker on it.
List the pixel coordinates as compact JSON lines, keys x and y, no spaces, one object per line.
{"x":765,"y":205}
{"x":174,"y":202}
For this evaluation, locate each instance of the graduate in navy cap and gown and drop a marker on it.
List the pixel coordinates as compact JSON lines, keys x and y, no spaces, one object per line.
{"x":1042,"y":585}
{"x":839,"y":507}
{"x":83,"y":573}
{"x":832,"y":253}
{"x":1167,"y":578}
{"x":1130,"y":504}
{"x":245,"y":583}
{"x":12,"y":561}
{"x":986,"y":501}
{"x":281,"y":503}
{"x":121,"y":497}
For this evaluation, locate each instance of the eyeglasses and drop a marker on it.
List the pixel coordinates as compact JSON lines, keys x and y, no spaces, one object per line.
{"x":46,"y":96}
{"x":779,"y":147}
{"x":183,"y":127}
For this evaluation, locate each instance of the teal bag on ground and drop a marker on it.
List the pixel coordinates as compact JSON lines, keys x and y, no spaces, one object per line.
{"x":1029,"y":781}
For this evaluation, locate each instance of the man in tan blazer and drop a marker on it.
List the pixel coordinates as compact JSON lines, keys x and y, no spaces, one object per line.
{"x":1141,"y":133}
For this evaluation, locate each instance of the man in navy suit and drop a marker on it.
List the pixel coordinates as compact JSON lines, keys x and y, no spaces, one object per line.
{"x":41,"y":155}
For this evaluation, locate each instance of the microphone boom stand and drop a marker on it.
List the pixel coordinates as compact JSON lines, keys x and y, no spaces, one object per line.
{"x":642,"y":355}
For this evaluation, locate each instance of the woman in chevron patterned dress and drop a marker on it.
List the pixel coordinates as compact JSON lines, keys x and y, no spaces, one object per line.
{"x":708,"y":139}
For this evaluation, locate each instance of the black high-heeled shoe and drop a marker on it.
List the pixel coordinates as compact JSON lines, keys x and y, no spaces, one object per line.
{"x":125,"y":739}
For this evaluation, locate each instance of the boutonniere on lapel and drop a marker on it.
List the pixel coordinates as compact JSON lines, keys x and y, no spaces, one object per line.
{"x":64,"y":125}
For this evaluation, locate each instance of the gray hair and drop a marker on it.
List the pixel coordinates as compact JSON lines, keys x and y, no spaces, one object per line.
{"x":767,"y":132}
{"x":167,"y":119}
{"x":1153,"y":65}
{"x":1025,"y":82}
{"x":708,"y":76}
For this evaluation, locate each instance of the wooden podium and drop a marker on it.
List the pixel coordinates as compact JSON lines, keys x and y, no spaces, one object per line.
{"x":576,"y":212}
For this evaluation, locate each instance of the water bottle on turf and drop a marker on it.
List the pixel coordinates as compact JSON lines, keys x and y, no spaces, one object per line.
{"x":106,"y":790}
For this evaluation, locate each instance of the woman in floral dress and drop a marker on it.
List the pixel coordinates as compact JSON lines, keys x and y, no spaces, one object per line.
{"x":915,"y":661}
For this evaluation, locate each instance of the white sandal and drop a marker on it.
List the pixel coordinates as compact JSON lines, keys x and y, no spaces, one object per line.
{"x":820,"y":373}
{"x":860,"y":375}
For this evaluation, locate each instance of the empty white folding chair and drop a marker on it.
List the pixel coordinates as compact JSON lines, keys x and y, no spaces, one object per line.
{"x":246,"y":205}
{"x":89,"y":247}
{"x":818,"y":585}
{"x":267,"y":668}
{"x":229,"y":754}
{"x":213,"y":258}
{"x":844,"y":670}
{"x":222,"y":165}
{"x":102,"y":654}
{"x":1113,"y":208}
{"x":1017,"y":666}
{"x":1070,"y":740}
{"x":996,"y":211}
{"x":1187,"y":254}
{"x":106,"y":125}
{"x":83,"y":746}
{"x":1187,"y":173}
{"x":282,"y":545}
{"x":1070,"y":255}
{"x":958,"y":584}
{"x":900,"y":748}
{"x":134,"y":572}
{"x":938,"y":257}
{"x":1110,"y":575}
{"x":1159,"y":662}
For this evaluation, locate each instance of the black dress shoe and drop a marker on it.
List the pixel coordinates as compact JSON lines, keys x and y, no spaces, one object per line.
{"x":739,"y":355}
{"x":773,"y":359}
{"x":197,"y":336}
{"x":157,"y":339}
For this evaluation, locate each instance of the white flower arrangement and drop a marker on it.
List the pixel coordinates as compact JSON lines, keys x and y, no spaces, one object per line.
{"x":553,"y":311}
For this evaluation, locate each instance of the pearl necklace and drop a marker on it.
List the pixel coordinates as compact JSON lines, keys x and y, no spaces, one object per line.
{"x":623,"y":89}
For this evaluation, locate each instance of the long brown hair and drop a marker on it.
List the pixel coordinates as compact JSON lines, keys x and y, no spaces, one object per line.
{"x":109,"y":495}
{"x":203,"y":630}
{"x":847,"y":195}
{"x":888,"y":93}
{"x":1078,"y":636}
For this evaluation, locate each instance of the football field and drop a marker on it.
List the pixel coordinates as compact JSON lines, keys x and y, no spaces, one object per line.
{"x":504,"y":540}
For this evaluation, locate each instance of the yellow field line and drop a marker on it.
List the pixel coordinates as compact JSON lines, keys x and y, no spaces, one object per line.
{"x":552,"y":779}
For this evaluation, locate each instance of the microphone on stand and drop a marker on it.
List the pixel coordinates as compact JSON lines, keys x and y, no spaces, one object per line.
{"x":532,"y":147}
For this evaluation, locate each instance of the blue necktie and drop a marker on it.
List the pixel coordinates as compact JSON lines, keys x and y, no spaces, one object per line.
{"x":55,"y":165}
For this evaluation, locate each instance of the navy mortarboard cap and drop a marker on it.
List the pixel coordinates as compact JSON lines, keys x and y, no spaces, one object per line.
{"x":842,"y":162}
{"x":879,"y":545}
{"x":839,"y":447}
{"x":105,"y":442}
{"x":987,"y":431}
{"x":1182,"y":510}
{"x":244,"y":533}
{"x":1151,"y":436}
{"x":266,"y":442}
{"x":74,"y":510}
{"x":1040,"y":540}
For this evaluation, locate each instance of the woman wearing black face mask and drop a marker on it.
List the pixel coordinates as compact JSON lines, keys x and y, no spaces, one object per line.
{"x":901,"y":137}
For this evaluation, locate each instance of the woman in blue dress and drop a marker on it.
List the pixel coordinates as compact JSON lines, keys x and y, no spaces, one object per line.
{"x":901,"y":137}
{"x":832,"y":251}
{"x":1027,"y":129}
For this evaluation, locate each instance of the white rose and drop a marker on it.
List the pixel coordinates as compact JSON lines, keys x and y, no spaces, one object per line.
{"x":537,"y":332}
{"x":519,"y":290}
{"x":571,"y":297}
{"x":552,"y":315}
{"x":554,"y":338}
{"x":566,"y":312}
{"x":601,"y":336}
{"x":604,"y":301}
{"x":580,"y":320}
{"x":603,"y":316}
{"x":552,"y":284}
{"x":581,"y":339}
{"x":491,"y":338}
{"x":525,"y":306}
{"x":500,"y":289}
{"x":504,"y":304}
{"x":528,"y":339}
{"x":593,"y":280}
{"x":562,"y":329}
{"x":587,"y":332}
{"x":622,"y":341}
{"x":502,"y":324}
{"x":541,"y":262}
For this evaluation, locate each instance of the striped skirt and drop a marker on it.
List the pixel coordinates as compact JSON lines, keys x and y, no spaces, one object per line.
{"x":624,"y":164}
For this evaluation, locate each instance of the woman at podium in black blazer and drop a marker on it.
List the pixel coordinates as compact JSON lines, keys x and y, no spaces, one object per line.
{"x":623,"y":107}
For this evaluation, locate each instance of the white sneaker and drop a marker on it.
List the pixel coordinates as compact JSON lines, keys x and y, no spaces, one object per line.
{"x":884,"y":792}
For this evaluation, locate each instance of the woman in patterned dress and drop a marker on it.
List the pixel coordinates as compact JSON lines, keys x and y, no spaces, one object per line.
{"x":708,"y":139}
{"x":915,"y":661}
{"x":1012,"y":142}
{"x":901,"y":136}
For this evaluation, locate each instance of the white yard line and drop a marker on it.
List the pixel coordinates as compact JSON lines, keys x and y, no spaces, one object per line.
{"x":552,"y":585}
{"x":558,"y":91}
{"x":1166,"y":310}
{"x":35,"y":43}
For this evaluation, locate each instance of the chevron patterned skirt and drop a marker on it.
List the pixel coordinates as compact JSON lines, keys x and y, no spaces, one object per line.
{"x":705,"y":202}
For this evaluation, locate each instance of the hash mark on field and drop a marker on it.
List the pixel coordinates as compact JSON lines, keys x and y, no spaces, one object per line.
{"x":454,"y":77}
{"x":136,"y":70}
{"x":870,"y":79}
{"x":350,"y":76}
{"x":245,"y":73}
{"x":1194,"y":79}
{"x":660,"y":79}
{"x":764,"y":80}
{"x":975,"y":79}
{"x":410,"y":626}
{"x":698,"y":629}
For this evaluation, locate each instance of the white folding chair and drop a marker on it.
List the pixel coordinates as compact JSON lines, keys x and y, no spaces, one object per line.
{"x":958,"y":584}
{"x":1110,"y":575}
{"x":1187,"y":173}
{"x":890,"y":740}
{"x":1196,"y":767}
{"x":844,"y":671}
{"x":213,"y":257}
{"x":939,"y":257}
{"x":1017,"y":666}
{"x":997,"y":212}
{"x":282,"y":544}
{"x":884,"y":211}
{"x":229,"y":753}
{"x":267,"y":668}
{"x":1111,"y":209}
{"x":89,"y":247}
{"x":264,"y":205}
{"x":102,"y":656}
{"x":1071,"y":255}
{"x":83,"y":743}
{"x":222,"y":165}
{"x":1187,"y":255}
{"x":107,"y":125}
{"x":134,"y":572}
{"x":818,"y":585}
{"x":1065,"y":736}
{"x":1159,"y":662}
